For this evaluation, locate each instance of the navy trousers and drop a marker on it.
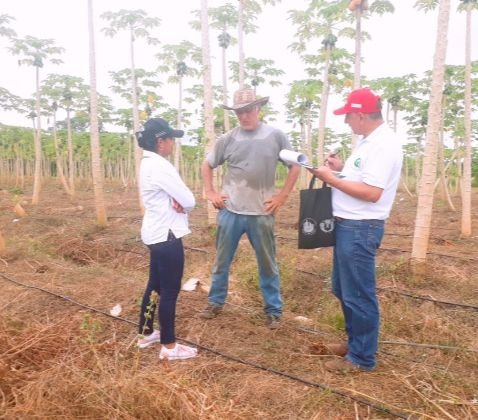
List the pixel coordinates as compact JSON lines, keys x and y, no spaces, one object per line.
{"x":165,"y":273}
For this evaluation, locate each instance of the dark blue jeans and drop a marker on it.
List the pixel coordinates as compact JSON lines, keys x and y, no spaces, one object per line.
{"x":165,"y":274}
{"x":260,"y":232}
{"x":353,"y":282}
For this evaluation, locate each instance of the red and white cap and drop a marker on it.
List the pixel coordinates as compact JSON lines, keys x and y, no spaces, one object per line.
{"x":360,"y":100}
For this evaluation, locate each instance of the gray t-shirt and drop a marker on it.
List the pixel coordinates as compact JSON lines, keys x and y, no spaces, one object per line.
{"x":252,"y":158}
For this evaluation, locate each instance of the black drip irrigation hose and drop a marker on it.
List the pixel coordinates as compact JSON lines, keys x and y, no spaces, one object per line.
{"x":411,"y":295}
{"x":406,"y":251}
{"x":419,"y":297}
{"x":295,"y":378}
{"x":383,"y":289}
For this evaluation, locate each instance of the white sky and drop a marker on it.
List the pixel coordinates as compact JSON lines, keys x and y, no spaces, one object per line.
{"x":401,"y":43}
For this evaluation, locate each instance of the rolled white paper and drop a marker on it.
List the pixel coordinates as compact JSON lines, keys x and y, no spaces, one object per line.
{"x":293,"y":157}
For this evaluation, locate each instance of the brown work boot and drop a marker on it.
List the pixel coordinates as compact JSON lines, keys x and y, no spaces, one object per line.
{"x":210,"y":312}
{"x":343,"y":366}
{"x":273,"y":321}
{"x":337,"y":349}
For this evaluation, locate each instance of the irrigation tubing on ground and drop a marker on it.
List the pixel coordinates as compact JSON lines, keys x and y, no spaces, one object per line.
{"x":412,"y":295}
{"x":399,"y":292}
{"x":295,"y":378}
{"x":438,"y":254}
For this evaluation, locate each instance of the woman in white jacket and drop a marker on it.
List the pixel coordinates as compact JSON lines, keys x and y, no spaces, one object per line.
{"x":166,"y":200}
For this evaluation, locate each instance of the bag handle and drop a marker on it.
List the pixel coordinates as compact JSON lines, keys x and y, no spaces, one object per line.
{"x":312,"y":182}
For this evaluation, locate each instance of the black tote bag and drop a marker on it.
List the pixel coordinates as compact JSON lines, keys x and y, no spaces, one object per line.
{"x":316,"y":221}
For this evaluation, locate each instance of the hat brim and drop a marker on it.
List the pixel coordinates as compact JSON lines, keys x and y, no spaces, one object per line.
{"x":177,"y":133}
{"x":257,"y":102}
{"x":341,"y":111}
{"x":171,"y":134}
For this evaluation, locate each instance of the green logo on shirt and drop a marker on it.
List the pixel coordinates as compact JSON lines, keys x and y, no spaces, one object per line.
{"x":358,"y":162}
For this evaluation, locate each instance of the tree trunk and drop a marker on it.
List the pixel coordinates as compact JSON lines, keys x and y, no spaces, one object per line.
{"x":71,"y":162}
{"x":96,"y":168}
{"x":227,"y":125}
{"x":323,"y":110}
{"x":208,"y":110}
{"x":466,"y":180}
{"x":358,"y":57}
{"x":59,"y":163}
{"x":37,"y":144}
{"x":240,"y":43}
{"x":443,"y":179}
{"x":425,"y":197}
{"x":177,"y":150}
{"x":305,"y":133}
{"x":138,"y":154}
{"x":358,"y":46}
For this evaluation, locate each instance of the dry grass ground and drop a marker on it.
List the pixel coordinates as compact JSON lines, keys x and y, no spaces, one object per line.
{"x":62,"y":360}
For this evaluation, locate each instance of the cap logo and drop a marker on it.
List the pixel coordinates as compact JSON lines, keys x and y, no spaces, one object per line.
{"x":356,"y":105}
{"x":161,"y":134}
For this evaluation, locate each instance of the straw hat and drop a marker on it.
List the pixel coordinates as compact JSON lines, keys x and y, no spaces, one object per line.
{"x":245,"y":98}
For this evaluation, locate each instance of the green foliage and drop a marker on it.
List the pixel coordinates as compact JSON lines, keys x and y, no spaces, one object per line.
{"x":257,"y":72}
{"x":474,"y":168}
{"x":35,"y":51}
{"x":185,"y":54}
{"x":90,"y":329}
{"x":16,"y":191}
{"x":150,"y":309}
{"x":146,"y":87}
{"x":8,"y":101}
{"x":16,"y":142}
{"x":246,"y":273}
{"x":288,"y":273}
{"x":4,"y":29}
{"x":137,"y":22}
{"x":336,"y":320}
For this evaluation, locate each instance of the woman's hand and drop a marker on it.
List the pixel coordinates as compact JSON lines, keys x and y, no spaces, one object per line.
{"x":176,"y":206}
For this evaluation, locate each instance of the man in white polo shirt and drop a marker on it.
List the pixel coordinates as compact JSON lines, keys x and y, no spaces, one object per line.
{"x":361,"y":201}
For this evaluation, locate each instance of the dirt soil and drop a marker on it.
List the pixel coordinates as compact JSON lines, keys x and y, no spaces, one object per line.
{"x":63,"y":356}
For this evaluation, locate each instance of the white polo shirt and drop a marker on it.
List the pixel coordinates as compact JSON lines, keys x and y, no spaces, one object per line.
{"x":376,"y":161}
{"x":160,"y":183}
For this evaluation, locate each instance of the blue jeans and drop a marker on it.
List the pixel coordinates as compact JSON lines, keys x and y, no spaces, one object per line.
{"x":353,"y":282}
{"x":260,"y":232}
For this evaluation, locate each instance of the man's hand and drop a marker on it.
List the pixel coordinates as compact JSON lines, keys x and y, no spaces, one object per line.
{"x":324,"y":173}
{"x":334,"y":163}
{"x":273,"y":204}
{"x":217,"y":200}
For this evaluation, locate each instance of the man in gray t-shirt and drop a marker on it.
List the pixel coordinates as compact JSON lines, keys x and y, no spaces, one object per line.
{"x":247,"y":203}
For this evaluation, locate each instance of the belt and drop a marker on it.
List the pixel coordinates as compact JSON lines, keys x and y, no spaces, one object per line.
{"x":341,"y":219}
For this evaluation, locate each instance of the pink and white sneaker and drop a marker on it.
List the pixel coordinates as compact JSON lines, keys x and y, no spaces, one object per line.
{"x":179,"y":352}
{"x":146,"y":340}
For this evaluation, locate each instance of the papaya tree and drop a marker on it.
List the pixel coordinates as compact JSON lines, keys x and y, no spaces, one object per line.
{"x":96,"y":166}
{"x":35,"y":52}
{"x":427,"y":182}
{"x":138,"y":25}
